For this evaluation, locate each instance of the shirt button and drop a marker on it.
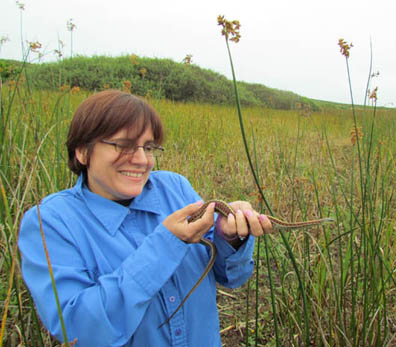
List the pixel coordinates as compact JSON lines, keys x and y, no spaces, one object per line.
{"x":172,"y":298}
{"x":178,"y":332}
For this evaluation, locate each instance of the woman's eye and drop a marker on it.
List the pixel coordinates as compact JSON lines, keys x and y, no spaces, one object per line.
{"x":126,"y":147}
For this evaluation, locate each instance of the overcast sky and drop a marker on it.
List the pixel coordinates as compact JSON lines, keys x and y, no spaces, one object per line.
{"x":286,"y":44}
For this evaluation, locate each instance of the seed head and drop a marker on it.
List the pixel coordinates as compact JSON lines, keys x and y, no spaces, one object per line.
{"x":143,"y":72}
{"x":58,"y":53}
{"x":70,"y":25}
{"x":126,"y":86}
{"x":187,"y":59}
{"x":230,"y":28}
{"x":75,"y":90}
{"x":20,"y":5}
{"x":134,"y":59}
{"x":11,"y":84}
{"x":373,"y":94}
{"x":71,"y":343}
{"x":356,"y":132}
{"x":64,"y":88}
{"x":344,"y":47}
{"x":4,"y":39}
{"x":34,"y":46}
{"x":257,"y":195}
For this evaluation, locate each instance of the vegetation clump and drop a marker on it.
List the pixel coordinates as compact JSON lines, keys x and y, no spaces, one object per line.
{"x":159,"y":78}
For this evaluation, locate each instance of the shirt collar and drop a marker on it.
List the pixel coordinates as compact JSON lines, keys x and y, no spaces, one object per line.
{"x":148,"y":200}
{"x":110,"y":213}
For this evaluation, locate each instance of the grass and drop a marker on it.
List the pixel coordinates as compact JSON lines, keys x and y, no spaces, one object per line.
{"x":329,"y":286}
{"x":308,"y":167}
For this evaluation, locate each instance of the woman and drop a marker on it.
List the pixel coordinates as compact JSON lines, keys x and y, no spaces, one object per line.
{"x":122,"y":252}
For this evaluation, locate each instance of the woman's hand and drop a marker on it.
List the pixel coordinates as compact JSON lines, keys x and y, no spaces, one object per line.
{"x":246,"y":221}
{"x":190,"y":232}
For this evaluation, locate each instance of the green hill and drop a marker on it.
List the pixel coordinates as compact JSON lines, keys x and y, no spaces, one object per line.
{"x":160,"y":78}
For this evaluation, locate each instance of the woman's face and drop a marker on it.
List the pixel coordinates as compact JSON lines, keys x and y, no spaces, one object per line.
{"x":118,"y":176}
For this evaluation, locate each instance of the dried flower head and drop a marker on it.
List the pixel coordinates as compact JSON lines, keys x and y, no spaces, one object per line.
{"x":305,"y":109}
{"x":230,"y":28}
{"x":34,"y":46}
{"x":75,"y":90}
{"x":187,"y":59}
{"x":71,"y":343}
{"x":373,"y":94}
{"x":70,"y":25}
{"x":58,"y":53}
{"x":257,"y":196}
{"x":344,"y":47}
{"x":20,"y":5}
{"x":4,"y":39}
{"x":143,"y":72}
{"x":126,"y":86}
{"x":356,"y":132}
{"x":64,"y":88}
{"x":134,"y":59}
{"x":11,"y":84}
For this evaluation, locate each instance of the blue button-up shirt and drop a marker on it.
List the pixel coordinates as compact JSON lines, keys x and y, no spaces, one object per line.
{"x":120,"y":273}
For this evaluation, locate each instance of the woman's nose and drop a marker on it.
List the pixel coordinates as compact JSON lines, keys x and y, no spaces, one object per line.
{"x":139,"y":156}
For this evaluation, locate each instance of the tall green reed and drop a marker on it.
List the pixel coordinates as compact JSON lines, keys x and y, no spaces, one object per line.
{"x":231,"y":32}
{"x":356,"y":268}
{"x":364,"y":275}
{"x":27,"y":134}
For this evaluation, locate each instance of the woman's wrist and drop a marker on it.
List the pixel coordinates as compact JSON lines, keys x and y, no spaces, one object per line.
{"x":225,"y":237}
{"x":234,"y":240}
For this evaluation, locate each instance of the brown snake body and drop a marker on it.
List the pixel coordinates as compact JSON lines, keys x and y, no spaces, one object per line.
{"x":225,"y":209}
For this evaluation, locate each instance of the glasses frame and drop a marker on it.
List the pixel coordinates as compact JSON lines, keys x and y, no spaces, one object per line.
{"x":119,"y":149}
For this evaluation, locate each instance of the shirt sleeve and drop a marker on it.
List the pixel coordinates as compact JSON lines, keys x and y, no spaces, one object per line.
{"x":115,"y":303}
{"x":232,"y":267}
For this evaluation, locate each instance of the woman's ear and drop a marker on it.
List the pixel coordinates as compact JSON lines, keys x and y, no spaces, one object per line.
{"x":81,"y":155}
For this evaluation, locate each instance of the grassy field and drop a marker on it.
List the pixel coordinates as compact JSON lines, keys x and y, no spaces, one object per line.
{"x":329,"y":286}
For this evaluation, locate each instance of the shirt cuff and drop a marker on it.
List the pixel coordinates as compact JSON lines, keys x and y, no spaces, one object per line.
{"x":226,"y":250}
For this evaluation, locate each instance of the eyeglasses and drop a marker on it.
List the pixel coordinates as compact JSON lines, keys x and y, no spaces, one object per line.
{"x":128,"y":147}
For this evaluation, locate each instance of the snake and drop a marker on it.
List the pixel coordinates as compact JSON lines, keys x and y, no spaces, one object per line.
{"x":225,"y":209}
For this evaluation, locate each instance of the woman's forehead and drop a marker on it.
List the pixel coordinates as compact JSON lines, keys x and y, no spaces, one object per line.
{"x":134,"y":133}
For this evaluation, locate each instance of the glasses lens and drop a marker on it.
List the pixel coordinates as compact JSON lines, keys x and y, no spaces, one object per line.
{"x":152,"y":150}
{"x":126,"y":147}
{"x":129,"y":147}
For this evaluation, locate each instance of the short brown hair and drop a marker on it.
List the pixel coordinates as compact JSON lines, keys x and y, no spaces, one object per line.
{"x":104,"y":114}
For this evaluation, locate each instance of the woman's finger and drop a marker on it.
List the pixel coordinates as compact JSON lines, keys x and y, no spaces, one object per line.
{"x":207,"y":218}
{"x":241,"y":223}
{"x":266,"y":224}
{"x":255,"y":227}
{"x":188,"y":210}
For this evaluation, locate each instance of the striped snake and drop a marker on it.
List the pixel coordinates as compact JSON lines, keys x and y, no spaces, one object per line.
{"x":224,"y":209}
